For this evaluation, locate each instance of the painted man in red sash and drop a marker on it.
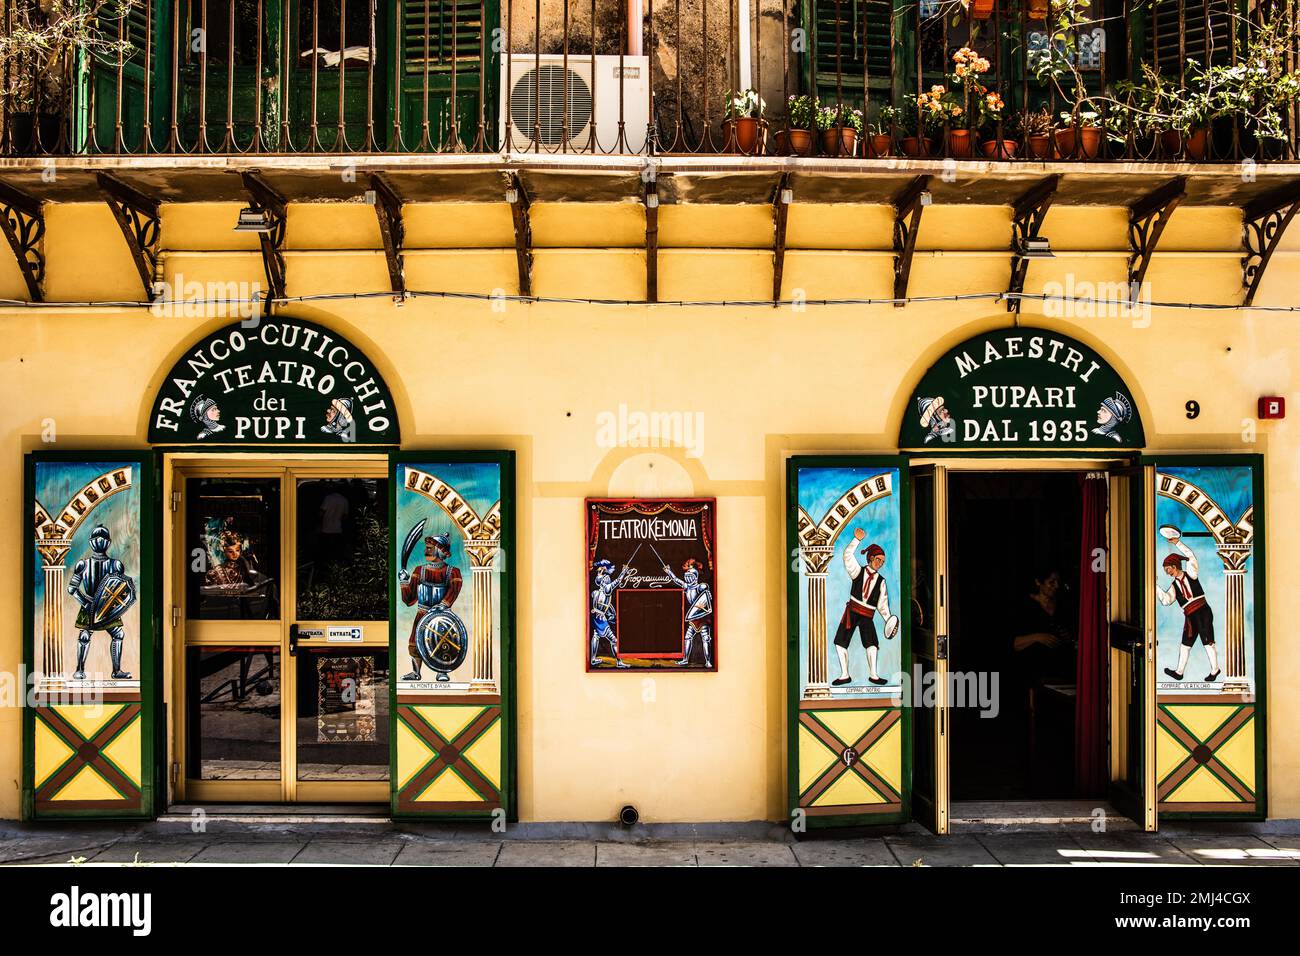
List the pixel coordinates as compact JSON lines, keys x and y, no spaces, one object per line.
{"x":434,"y":585}
{"x":1198,"y":620}
{"x":868,"y":597}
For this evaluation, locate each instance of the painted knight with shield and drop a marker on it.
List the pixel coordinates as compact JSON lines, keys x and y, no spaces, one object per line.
{"x":104,"y":590}
{"x":438,"y":635}
{"x":602,"y":608}
{"x":699,"y":610}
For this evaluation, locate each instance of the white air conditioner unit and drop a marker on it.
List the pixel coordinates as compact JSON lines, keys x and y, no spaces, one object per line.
{"x":535,"y":90}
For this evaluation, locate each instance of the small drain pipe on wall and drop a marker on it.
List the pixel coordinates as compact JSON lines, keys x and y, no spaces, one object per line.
{"x":629,"y":816}
{"x":635,"y":28}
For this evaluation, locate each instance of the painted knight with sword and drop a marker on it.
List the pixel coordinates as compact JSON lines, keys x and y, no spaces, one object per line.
{"x":699,"y":609}
{"x":602,"y":606}
{"x":433,"y":588}
{"x":101,"y":586}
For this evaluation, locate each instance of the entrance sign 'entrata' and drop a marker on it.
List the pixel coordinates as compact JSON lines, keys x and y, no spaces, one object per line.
{"x":282,"y":381}
{"x":1208,"y":714}
{"x":651,"y":575}
{"x":848,"y":738}
{"x":88,"y":600}
{"x":1021,"y":388}
{"x":453,"y":753}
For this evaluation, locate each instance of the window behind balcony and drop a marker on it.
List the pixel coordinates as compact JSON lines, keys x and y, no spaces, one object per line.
{"x":438,"y":33}
{"x":1206,"y":36}
{"x":852,"y":40}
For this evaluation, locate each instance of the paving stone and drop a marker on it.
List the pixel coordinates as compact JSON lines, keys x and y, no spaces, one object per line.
{"x":745,"y":854}
{"x":337,"y":853}
{"x":146,"y":853}
{"x":1036,"y":849}
{"x":550,"y":853}
{"x":870,"y":851}
{"x":263,"y":851}
{"x":1128,"y":849}
{"x":959,"y":850}
{"x":1237,"y":849}
{"x":645,"y":854}
{"x":448,"y":853}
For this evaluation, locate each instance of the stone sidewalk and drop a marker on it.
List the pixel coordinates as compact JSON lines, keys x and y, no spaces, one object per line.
{"x":380,"y":842}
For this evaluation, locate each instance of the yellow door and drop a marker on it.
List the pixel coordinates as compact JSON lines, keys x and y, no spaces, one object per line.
{"x":279,"y":589}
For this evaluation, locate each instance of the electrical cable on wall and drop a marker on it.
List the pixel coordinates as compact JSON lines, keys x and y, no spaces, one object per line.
{"x":158,"y":304}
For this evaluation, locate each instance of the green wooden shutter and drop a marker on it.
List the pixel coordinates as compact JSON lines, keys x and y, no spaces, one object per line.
{"x":89,"y":741}
{"x":454,"y":29}
{"x":441,"y":39}
{"x":1207,"y":35}
{"x":849,"y":758}
{"x":848,"y":35}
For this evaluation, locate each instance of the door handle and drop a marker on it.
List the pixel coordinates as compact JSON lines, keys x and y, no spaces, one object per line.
{"x":293,"y":640}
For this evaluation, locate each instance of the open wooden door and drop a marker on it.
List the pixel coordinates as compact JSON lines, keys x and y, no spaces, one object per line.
{"x":848,"y":591}
{"x":929,"y":618}
{"x":1132,"y":646}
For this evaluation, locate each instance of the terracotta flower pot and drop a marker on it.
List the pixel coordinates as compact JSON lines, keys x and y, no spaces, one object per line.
{"x":1038,"y":9}
{"x":981,"y":9}
{"x":1193,"y":146}
{"x":879,"y":145}
{"x":961,"y":144}
{"x":1039,"y":146}
{"x":781,"y":142}
{"x":915,"y":147}
{"x":801,"y":142}
{"x":745,"y":135}
{"x":839,"y":141}
{"x":1086,"y":145}
{"x":998,"y":148}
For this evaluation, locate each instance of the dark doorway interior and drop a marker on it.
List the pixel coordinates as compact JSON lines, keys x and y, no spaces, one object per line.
{"x":1014,"y":535}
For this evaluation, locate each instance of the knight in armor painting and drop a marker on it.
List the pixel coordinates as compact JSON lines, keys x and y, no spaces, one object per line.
{"x":602,"y":609}
{"x":433,"y":586}
{"x":699,"y":610}
{"x":101,"y":586}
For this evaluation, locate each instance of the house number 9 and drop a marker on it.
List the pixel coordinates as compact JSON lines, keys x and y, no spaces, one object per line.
{"x":1193,"y":409}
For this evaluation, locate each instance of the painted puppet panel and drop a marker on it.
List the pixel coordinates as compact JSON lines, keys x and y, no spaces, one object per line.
{"x":651,"y":579}
{"x":849,"y":740}
{"x":450,"y":736}
{"x":86,"y":585}
{"x":87,"y":725}
{"x":1205,"y":639}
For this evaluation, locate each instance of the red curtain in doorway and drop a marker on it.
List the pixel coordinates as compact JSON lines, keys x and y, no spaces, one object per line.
{"x":1090,"y":756}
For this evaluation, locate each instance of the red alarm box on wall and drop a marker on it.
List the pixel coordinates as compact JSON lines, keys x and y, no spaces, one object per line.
{"x":1272,"y":406}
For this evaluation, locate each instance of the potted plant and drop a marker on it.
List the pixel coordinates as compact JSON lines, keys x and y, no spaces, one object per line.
{"x":921,"y":125}
{"x":979,"y":9}
{"x":38,"y":55}
{"x":840,"y":127}
{"x":743,"y":121}
{"x":1057,"y":62}
{"x":801,"y":116}
{"x":880,"y":141}
{"x":994,"y":146}
{"x":1037,"y":9}
{"x":968,"y":67}
{"x":1035,"y":128}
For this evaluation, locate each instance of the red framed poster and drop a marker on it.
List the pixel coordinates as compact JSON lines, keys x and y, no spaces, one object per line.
{"x":651,"y":576}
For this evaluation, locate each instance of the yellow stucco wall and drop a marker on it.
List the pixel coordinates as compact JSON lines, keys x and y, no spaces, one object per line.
{"x":768,"y":382}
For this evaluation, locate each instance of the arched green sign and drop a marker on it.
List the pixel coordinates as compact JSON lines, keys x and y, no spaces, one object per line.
{"x":1020,"y":388}
{"x":278,"y":380}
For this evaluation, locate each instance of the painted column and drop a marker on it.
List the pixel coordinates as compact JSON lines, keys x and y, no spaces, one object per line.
{"x":53,"y":551}
{"x":482,"y":556}
{"x":816,"y":559}
{"x":1235,"y":553}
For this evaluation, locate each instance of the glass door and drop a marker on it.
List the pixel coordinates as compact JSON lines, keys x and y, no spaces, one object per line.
{"x":282,"y":621}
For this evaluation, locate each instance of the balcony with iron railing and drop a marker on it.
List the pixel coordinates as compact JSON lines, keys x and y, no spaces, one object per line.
{"x":1004,"y":80}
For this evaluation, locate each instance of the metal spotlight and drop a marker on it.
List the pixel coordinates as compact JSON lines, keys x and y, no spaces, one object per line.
{"x":1036,"y":247}
{"x":253,"y":220}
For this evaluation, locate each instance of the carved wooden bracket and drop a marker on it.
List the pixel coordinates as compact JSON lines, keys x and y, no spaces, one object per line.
{"x":908,"y":206}
{"x":1027,"y":215}
{"x":24,"y":226}
{"x":1263,"y":223}
{"x":138,"y":218}
{"x":388,"y":209}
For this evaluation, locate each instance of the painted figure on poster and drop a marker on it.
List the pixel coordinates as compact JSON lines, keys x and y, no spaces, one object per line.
{"x":101,"y":586}
{"x":868,"y":596}
{"x":699,"y":609}
{"x":1113,"y":413}
{"x":602,"y":608}
{"x":206,"y":413}
{"x":433,"y":588}
{"x":937,"y":419}
{"x":1185,"y":590}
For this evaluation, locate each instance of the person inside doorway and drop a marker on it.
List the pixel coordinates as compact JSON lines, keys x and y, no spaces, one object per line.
{"x":868,"y":597}
{"x":1198,"y":620}
{"x":1043,"y":647}
{"x":334,"y":511}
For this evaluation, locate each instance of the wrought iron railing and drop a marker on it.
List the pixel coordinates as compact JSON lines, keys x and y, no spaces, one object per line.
{"x":230,"y":77}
